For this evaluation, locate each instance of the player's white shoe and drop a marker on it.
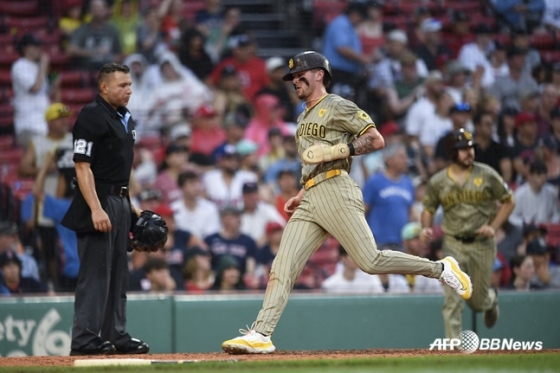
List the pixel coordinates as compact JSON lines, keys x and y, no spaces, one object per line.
{"x":455,"y":278}
{"x":251,"y":342}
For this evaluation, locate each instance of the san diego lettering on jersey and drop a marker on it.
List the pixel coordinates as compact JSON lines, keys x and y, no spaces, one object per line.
{"x":312,"y":129}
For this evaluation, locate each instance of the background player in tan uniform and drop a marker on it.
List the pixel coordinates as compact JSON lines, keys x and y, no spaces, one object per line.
{"x":329,"y":133}
{"x":469,"y":193}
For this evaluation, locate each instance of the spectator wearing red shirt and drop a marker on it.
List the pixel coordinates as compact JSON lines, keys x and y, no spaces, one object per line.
{"x":460,"y":33}
{"x":250,"y":69}
{"x":206,"y":132}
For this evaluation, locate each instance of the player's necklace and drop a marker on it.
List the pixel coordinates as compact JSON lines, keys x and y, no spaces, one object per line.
{"x":316,"y":99}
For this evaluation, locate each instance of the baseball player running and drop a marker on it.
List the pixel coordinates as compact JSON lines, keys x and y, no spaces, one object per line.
{"x":468,"y":191}
{"x":330,"y":132}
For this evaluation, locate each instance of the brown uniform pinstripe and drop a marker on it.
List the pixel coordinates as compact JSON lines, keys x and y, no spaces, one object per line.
{"x":466,"y":208}
{"x":333,"y":206}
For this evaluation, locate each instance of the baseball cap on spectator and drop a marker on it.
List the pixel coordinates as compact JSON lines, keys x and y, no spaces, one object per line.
{"x":205,"y":111}
{"x":72,"y":3}
{"x":422,"y":11}
{"x":230,"y":210}
{"x":515,"y":51}
{"x":398,"y":35}
{"x":274,"y":132}
{"x":482,"y":29}
{"x":179,"y":131}
{"x":8,"y":228}
{"x":226,"y":262}
{"x":174,"y":148}
{"x":548,"y":141}
{"x":274,"y":63}
{"x":408,"y":58}
{"x":519,"y":31}
{"x":410,"y":231}
{"x":509,"y":111}
{"x":155,"y":264}
{"x":530,"y":228}
{"x":164,"y":210}
{"x":433,"y":77}
{"x":497,"y":265}
{"x":460,"y":16}
{"x":529,"y":94}
{"x":57,"y":110}
{"x":357,"y":7}
{"x":537,"y":247}
{"x":196,"y":250}
{"x":149,"y":194}
{"x":9,"y":256}
{"x":239,"y":41}
{"x":537,"y":167}
{"x":555,"y":113}
{"x":27,"y":40}
{"x":430,"y":25}
{"x":455,"y":67}
{"x":460,"y":107}
{"x":246,"y":147}
{"x":389,"y":128}
{"x":273,"y":226}
{"x":228,"y":70}
{"x":525,"y":118}
{"x":250,"y":187}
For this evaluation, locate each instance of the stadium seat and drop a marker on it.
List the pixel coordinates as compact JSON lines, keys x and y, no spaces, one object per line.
{"x":19,"y":8}
{"x":77,"y":96}
{"x":27,"y":24}
{"x":12,"y":155}
{"x":5,"y":77}
{"x":6,"y":39}
{"x":551,"y":56}
{"x":543,"y":41}
{"x":5,"y":124}
{"x":6,"y":110}
{"x":74,"y":79}
{"x":7,"y":59}
{"x":6,"y":143}
{"x":553,"y":235}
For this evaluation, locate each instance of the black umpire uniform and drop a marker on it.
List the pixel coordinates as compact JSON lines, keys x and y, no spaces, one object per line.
{"x":103,"y":137}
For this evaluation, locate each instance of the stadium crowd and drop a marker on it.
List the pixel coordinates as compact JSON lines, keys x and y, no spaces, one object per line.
{"x":215,"y":153}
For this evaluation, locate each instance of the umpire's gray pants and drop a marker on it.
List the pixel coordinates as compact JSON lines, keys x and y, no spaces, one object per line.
{"x":100,"y":303}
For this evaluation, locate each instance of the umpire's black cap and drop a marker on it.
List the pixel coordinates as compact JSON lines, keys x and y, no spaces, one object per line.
{"x":306,"y":61}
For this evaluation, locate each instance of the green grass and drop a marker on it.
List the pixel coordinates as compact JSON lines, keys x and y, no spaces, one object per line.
{"x":542,"y":362}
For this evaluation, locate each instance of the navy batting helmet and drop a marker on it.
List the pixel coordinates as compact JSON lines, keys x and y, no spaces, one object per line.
{"x":307,"y":61}
{"x":455,"y":140}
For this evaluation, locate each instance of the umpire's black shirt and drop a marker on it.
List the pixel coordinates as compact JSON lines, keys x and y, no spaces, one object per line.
{"x":101,"y":139}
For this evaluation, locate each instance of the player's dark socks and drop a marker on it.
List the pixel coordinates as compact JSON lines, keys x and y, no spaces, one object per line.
{"x":264,"y":335}
{"x":442,"y":267}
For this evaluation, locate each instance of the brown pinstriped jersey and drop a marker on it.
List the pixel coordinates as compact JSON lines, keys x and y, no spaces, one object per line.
{"x":469,"y":206}
{"x":332,"y":120}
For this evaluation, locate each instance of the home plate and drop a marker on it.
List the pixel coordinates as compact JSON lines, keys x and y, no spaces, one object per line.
{"x":116,"y":362}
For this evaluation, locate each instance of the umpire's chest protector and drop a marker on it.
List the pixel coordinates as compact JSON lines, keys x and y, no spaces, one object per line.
{"x":101,"y":139}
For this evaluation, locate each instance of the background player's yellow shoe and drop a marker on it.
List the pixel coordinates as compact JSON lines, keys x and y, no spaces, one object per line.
{"x":455,"y":278}
{"x":251,"y":342}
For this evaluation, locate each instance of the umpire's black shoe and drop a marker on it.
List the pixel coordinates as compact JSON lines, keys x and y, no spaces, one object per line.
{"x":95,"y":348}
{"x":133,"y":347}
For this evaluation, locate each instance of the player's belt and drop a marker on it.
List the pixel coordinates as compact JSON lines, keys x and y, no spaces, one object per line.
{"x":466,"y":238}
{"x":321,"y":177}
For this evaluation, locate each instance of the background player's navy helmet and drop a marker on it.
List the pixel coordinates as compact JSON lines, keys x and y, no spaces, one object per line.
{"x":307,"y":61}
{"x":455,"y":140}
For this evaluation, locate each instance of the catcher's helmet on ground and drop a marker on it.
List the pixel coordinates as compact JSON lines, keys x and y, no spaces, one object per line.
{"x":149,"y":233}
{"x":455,"y":140}
{"x":307,"y":61}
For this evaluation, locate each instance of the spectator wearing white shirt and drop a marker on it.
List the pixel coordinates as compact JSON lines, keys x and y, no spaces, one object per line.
{"x":536,"y":201}
{"x":257,"y":214}
{"x":474,"y":56}
{"x":437,"y":126}
{"x":551,"y":15}
{"x":423,"y":111}
{"x":31,"y":90}
{"x":456,"y":75}
{"x":193,"y":213}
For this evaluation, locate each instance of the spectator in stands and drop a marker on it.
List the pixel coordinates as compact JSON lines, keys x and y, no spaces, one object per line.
{"x":388,"y":70}
{"x":521,"y":14}
{"x":268,"y":115}
{"x":438,"y":126}
{"x":460,"y":115}
{"x":31,"y":90}
{"x":217,"y":27}
{"x":509,"y":240}
{"x":460,"y":32}
{"x":231,"y":242}
{"x":228,"y":275}
{"x":551,"y":18}
{"x":423,"y":111}
{"x":193,"y":55}
{"x":526,"y":143}
{"x":287,"y":185}
{"x":536,"y":201}
{"x":275,"y":140}
{"x":71,"y":18}
{"x":173,"y":24}
{"x":555,"y":126}
{"x":549,"y":153}
{"x":506,"y":128}
{"x":149,"y":37}
{"x":456,"y":75}
{"x":290,"y":161}
{"x":248,"y":159}
{"x":388,"y":198}
{"x":148,"y":199}
{"x":175,"y":163}
{"x":158,"y":276}
{"x":523,"y":270}
{"x":371,"y":30}
{"x":276,"y":68}
{"x":250,"y":68}
{"x":193,"y":213}
{"x":548,"y":101}
{"x":142,"y":83}
{"x":178,"y":95}
{"x":474,"y":57}
{"x":350,"y":280}
{"x":207,"y":133}
{"x":407,"y":90}
{"x":509,"y":89}
{"x":267,"y":253}
{"x":234,"y":131}
{"x":342,"y":45}
{"x":10,"y":266}
{"x":210,"y":16}
{"x":229,"y":98}
{"x":489,"y":151}
{"x":521,"y":38}
{"x":181,"y":134}
{"x":97,"y":42}
{"x":432,"y":49}
{"x":144,"y":166}
{"x":412,"y":245}
{"x":198,"y":271}
{"x":37,"y":153}
{"x":9,"y":241}
{"x":547,"y":275}
{"x":127,"y":19}
{"x":414,"y":31}
{"x":257,"y":214}
{"x":224,"y":185}
{"x":498,"y":60}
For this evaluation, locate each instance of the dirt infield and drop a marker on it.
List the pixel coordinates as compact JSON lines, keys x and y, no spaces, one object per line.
{"x":280,"y":355}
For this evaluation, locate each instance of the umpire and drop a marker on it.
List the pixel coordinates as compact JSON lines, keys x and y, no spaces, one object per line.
{"x":101,"y":216}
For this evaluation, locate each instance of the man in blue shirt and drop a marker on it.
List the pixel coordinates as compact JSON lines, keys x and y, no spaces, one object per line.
{"x":388,"y":198}
{"x":342,"y":45}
